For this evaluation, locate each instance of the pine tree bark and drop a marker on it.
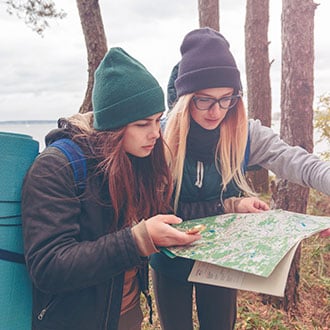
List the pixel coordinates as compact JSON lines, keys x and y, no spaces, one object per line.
{"x":209,"y":14}
{"x":258,"y":75}
{"x":96,"y":43}
{"x":297,"y":93}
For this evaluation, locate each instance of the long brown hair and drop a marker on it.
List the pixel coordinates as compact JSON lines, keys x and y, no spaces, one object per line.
{"x":138,"y":187}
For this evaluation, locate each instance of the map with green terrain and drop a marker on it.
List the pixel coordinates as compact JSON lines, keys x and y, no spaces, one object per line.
{"x":249,"y":242}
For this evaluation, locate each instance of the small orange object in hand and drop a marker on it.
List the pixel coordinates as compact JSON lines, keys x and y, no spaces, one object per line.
{"x":196,"y":229}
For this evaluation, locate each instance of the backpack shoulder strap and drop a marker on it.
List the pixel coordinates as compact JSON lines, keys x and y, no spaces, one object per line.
{"x":76,"y":159}
{"x":247,"y":154}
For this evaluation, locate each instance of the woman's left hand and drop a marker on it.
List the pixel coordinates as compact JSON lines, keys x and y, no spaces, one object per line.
{"x":250,"y":205}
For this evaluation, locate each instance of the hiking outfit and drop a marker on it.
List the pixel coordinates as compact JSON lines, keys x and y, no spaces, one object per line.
{"x":207,"y":63}
{"x":85,"y":273}
{"x":76,"y":286}
{"x":216,"y":306}
{"x":199,"y":197}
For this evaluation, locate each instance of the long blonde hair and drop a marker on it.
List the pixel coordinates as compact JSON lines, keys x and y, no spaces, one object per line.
{"x":230,"y":149}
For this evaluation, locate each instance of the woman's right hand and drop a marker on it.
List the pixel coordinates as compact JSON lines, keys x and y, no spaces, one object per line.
{"x":163,"y":234}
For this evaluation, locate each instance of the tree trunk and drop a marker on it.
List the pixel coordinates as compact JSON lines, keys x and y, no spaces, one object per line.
{"x":96,"y":43}
{"x":257,"y":74}
{"x":297,"y":93}
{"x":209,"y":14}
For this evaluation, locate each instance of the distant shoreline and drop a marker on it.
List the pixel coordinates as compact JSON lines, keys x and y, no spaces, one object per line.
{"x":27,"y":122}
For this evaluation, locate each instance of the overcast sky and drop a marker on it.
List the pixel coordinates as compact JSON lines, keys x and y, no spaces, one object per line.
{"x":46,"y":77}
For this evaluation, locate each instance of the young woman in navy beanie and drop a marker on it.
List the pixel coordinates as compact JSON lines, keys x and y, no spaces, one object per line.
{"x":87,"y":251}
{"x":211,"y":143}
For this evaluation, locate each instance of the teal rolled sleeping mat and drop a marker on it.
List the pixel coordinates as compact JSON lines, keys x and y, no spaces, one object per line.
{"x":18,"y":152}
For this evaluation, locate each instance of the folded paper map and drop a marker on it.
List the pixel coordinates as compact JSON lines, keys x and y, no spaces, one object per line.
{"x":251,"y":251}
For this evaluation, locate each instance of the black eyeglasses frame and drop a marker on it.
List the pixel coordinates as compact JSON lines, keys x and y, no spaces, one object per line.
{"x":232,"y":98}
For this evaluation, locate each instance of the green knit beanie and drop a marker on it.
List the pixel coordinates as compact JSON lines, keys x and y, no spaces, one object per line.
{"x":124,"y":91}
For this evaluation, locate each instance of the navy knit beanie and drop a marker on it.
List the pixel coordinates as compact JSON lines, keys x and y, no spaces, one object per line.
{"x":206,"y":63}
{"x":124,"y":91}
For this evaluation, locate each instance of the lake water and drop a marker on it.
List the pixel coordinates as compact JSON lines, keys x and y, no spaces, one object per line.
{"x":38,"y":131}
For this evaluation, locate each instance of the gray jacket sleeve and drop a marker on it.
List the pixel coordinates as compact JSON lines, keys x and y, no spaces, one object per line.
{"x":287,"y":162}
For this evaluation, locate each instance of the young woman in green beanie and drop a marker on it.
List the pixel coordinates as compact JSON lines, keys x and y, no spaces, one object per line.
{"x":87,"y":252}
{"x":211,"y":143}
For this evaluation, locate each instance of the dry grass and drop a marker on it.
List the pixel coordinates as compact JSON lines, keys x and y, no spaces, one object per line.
{"x":313,"y":308}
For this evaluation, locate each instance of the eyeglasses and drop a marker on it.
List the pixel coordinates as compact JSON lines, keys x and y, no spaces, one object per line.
{"x":206,"y":103}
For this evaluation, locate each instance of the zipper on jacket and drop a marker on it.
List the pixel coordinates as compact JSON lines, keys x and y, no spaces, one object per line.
{"x":43,"y":312}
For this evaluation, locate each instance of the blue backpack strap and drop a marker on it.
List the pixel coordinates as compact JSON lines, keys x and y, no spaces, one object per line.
{"x":247,"y":154}
{"x":77,"y":160}
{"x":255,"y":167}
